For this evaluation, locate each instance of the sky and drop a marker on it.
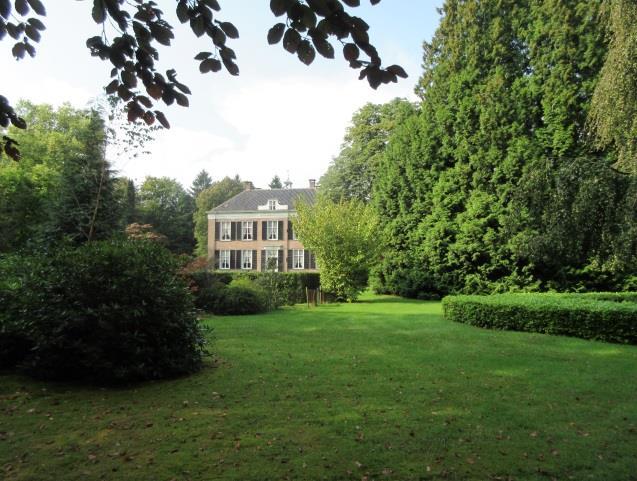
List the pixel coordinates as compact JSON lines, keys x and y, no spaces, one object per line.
{"x":278,"y":116}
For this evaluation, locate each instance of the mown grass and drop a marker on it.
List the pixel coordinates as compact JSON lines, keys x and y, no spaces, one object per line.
{"x":384,"y":389}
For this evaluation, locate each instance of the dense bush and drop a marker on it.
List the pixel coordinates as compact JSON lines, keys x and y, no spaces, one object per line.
{"x":274,"y":289}
{"x":608,"y":317}
{"x":103,"y":312}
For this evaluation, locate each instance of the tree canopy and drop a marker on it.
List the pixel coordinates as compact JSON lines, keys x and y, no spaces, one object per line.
{"x":275,"y":183}
{"x":344,"y":237}
{"x":352,"y":172}
{"x":494,"y":184}
{"x":216,"y":194}
{"x":141,"y":25}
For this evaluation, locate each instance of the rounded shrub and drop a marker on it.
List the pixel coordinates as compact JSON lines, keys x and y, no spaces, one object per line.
{"x":602,"y":316}
{"x":239,"y":300}
{"x":106,"y":312}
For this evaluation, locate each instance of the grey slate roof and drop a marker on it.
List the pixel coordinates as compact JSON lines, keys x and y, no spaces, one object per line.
{"x":249,"y":199}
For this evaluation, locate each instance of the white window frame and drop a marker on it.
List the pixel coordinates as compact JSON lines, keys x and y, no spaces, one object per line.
{"x":272,"y":230}
{"x":224,"y":259}
{"x":271,"y":253}
{"x":226,"y":230}
{"x":246,"y":231}
{"x":246,"y":260}
{"x":272,"y":204}
{"x":298,"y":258}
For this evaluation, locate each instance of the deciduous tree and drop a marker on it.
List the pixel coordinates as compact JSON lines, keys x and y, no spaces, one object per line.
{"x":344,"y":237}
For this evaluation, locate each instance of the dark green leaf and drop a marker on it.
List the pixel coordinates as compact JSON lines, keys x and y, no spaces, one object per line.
{"x":18,"y":51}
{"x":32,"y":33}
{"x":279,"y":7}
{"x":324,"y":48}
{"x":99,"y":11}
{"x":229,"y":29}
{"x":212,"y":4}
{"x":182,"y":11}
{"x":162,"y":119}
{"x":231,"y":67}
{"x":198,"y":25}
{"x":203,"y":55}
{"x":5,"y":8}
{"x":21,"y":6}
{"x":397,"y":70}
{"x":352,"y":3}
{"x":291,"y":40}
{"x":37,"y":7}
{"x":36,"y":23}
{"x":306,"y":52}
{"x":18,"y":122}
{"x":350,"y":52}
{"x":276,"y":33}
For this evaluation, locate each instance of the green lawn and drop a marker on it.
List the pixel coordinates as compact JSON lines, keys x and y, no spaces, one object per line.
{"x":378,"y":390}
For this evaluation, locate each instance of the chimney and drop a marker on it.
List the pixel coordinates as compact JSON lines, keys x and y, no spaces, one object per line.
{"x":312,"y":183}
{"x":248,"y":185}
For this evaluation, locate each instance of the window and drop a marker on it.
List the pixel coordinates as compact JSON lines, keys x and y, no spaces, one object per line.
{"x":272,"y":258}
{"x":272,"y":204}
{"x":273,"y":230}
{"x":226,"y":230}
{"x":246,"y":230}
{"x":293,"y":232}
{"x":246,"y":259}
{"x":224,"y":259}
{"x":297,"y":258}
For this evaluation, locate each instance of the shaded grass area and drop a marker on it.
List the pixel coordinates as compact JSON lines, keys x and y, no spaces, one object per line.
{"x":382,"y":389}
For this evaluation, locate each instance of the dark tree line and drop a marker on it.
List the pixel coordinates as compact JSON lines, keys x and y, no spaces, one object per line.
{"x":496,"y":183}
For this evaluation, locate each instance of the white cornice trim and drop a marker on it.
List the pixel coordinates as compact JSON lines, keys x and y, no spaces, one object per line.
{"x":252,"y":214}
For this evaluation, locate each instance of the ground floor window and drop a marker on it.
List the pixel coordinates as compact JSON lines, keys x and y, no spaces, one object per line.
{"x":246,"y":259}
{"x":224,"y":259}
{"x":297,"y":258}
{"x":272,"y":259}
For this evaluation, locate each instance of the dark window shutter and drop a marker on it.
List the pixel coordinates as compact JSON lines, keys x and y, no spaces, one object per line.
{"x":233,"y":231}
{"x":280,"y":233}
{"x":280,"y":266}
{"x":233,"y":259}
{"x":306,"y":259}
{"x":290,"y":230}
{"x":289,"y":259}
{"x":312,"y":260}
{"x":264,"y":226}
{"x":254,"y":260}
{"x":217,"y":258}
{"x":217,"y":229}
{"x":255,"y":227}
{"x":262,"y":260}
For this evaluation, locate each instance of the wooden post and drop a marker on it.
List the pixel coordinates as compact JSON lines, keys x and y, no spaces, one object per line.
{"x":307,"y":297}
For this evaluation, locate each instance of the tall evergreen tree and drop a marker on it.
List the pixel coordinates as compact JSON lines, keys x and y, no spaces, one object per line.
{"x":201,"y":183}
{"x":490,"y":186}
{"x":275,"y":183}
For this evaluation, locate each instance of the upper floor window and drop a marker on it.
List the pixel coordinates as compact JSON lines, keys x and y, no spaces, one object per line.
{"x":272,"y":204}
{"x":298,"y":258}
{"x":224,"y":259}
{"x":292,"y":232}
{"x":246,"y":259}
{"x":246,"y":230}
{"x":226,"y":231}
{"x":272,"y":230}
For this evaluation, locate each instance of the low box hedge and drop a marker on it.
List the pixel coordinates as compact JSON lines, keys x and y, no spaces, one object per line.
{"x":603,"y":316}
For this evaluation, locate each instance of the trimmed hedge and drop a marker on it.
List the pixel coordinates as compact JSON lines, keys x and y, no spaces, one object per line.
{"x":603,"y":316}
{"x":209,"y":287}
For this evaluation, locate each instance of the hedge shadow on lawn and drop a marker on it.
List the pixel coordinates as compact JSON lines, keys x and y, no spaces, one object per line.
{"x":602,"y":316}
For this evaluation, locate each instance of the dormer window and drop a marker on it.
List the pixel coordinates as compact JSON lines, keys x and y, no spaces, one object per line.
{"x":272,"y":204}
